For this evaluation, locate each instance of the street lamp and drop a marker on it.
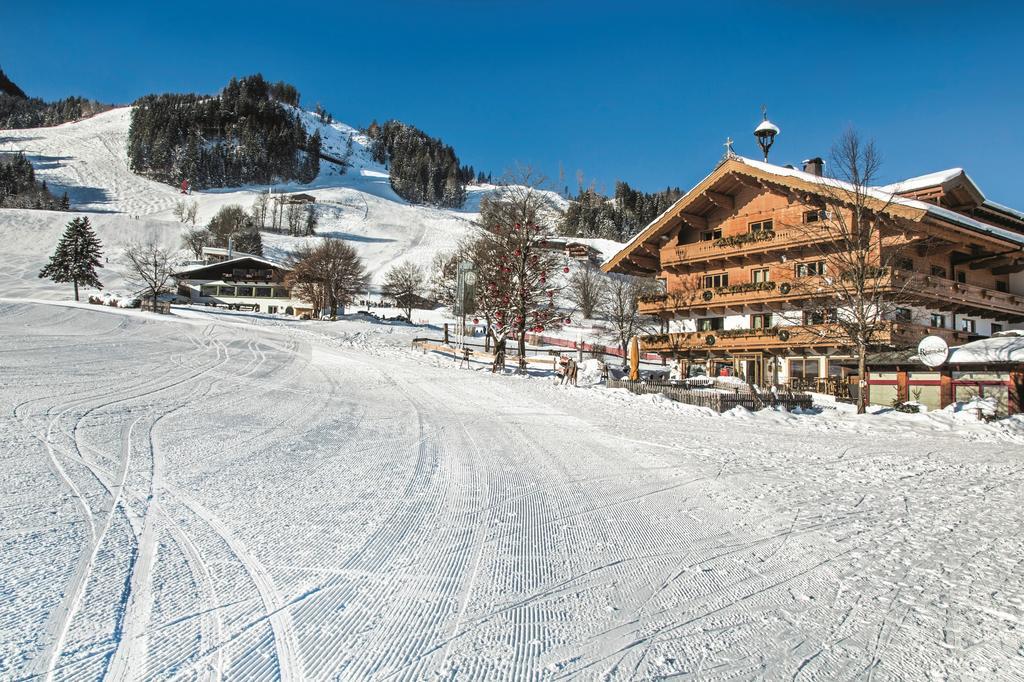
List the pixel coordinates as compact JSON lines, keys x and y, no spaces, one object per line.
{"x":765,"y":133}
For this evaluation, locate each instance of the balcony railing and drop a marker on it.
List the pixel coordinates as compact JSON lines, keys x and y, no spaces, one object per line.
{"x":741,"y":245}
{"x":892,"y":334}
{"x":905,"y":286}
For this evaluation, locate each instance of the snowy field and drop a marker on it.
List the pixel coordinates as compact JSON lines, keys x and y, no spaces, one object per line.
{"x":228,"y":496}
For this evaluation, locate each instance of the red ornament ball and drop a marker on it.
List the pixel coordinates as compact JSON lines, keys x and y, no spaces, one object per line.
{"x":565,"y":269}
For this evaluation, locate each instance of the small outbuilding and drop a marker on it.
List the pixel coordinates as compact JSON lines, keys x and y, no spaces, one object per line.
{"x":990,"y":369}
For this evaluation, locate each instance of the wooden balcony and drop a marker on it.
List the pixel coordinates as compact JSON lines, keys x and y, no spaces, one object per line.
{"x":965,"y":299}
{"x":740,"y":249}
{"x":929,"y":292}
{"x":817,"y":339}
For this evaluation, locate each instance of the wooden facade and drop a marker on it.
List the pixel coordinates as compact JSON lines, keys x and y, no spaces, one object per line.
{"x":739,"y":255}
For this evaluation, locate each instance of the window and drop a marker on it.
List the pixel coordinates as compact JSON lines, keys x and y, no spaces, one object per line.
{"x":815,"y":216}
{"x":761,"y":321}
{"x":961,"y":277}
{"x":938,"y":271}
{"x":710,"y":324}
{"x":996,"y":328}
{"x":208,"y":290}
{"x":838,"y":369}
{"x":803,"y":368}
{"x":272,"y":309}
{"x":760,"y":275}
{"x":762,"y":227}
{"x":819,"y":316}
{"x":711,"y":235}
{"x":280,"y":293}
{"x":243,"y":291}
{"x":1001,"y":286}
{"x":968,"y":326}
{"x":904,"y":264}
{"x":938,"y":320}
{"x":903,"y":315}
{"x":263,"y":292}
{"x":810,"y":269}
{"x":715,"y":281}
{"x":226,"y":291}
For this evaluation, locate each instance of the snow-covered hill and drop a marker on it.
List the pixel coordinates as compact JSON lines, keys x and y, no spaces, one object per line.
{"x":88,"y":159}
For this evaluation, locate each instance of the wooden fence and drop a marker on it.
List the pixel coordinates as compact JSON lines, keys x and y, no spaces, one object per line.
{"x":473,"y":354}
{"x":714,"y":399}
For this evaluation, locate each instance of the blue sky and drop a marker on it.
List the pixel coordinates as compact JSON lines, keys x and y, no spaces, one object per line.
{"x":641,"y":91}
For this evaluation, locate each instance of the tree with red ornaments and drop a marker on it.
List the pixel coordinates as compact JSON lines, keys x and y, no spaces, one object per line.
{"x":518,"y":276}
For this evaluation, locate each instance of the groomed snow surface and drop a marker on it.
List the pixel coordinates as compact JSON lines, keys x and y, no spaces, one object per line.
{"x":228,"y":496}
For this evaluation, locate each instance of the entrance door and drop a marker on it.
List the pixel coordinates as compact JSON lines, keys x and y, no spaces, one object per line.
{"x":751,"y":367}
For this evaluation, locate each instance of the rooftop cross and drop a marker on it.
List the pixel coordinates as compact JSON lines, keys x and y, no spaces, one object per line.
{"x":729,"y":152}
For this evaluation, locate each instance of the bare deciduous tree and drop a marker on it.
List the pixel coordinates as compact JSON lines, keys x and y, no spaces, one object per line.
{"x":194,"y":240}
{"x":260,"y":208}
{"x":327,"y":275}
{"x":620,"y":305}
{"x":584,"y":290}
{"x":403,"y":283}
{"x":149,"y":269}
{"x":851,"y":289}
{"x":186,"y":211}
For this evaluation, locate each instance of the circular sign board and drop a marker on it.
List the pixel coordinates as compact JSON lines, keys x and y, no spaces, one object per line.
{"x":932,"y":351}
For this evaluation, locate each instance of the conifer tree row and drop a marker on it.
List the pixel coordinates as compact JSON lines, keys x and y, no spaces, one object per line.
{"x":592,"y":215}
{"x":18,"y":110}
{"x":245,"y":134}
{"x":19,"y":189}
{"x":424,"y":170}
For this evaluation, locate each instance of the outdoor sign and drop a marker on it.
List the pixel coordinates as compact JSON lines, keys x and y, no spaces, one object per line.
{"x":932,"y":351}
{"x":465,"y":294}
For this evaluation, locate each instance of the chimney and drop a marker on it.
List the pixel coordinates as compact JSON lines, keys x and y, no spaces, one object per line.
{"x":814,"y":166}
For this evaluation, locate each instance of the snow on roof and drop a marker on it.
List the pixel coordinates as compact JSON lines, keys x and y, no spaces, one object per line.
{"x":1005,"y":209}
{"x":222,"y":263}
{"x":922,"y":181}
{"x":1003,"y":347}
{"x":221,"y":251}
{"x":887,"y":195}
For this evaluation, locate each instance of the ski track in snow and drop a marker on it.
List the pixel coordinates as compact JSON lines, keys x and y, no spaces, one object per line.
{"x":223,"y":497}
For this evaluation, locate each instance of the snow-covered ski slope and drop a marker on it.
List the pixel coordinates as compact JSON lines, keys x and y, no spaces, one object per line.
{"x":88,"y":159}
{"x":224,"y":496}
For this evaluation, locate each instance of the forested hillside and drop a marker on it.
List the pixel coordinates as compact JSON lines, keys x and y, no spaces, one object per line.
{"x":18,"y":110}
{"x":424,"y":170}
{"x":19,"y":189}
{"x":619,"y":218}
{"x":249,"y":133}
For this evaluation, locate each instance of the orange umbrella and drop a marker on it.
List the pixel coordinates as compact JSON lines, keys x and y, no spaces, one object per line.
{"x":634,"y":359}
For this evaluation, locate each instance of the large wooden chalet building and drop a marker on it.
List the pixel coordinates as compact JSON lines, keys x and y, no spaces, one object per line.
{"x":732,"y":253}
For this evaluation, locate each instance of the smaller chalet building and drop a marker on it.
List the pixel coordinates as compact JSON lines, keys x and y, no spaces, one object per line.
{"x":989,"y":369}
{"x":242,"y":282}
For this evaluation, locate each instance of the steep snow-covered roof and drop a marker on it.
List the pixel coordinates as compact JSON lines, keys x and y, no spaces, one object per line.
{"x":220,"y":264}
{"x":885,"y":194}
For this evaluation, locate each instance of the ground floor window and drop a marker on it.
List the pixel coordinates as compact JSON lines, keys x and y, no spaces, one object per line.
{"x":838,"y":369}
{"x":208,"y":290}
{"x":225,"y":291}
{"x":244,"y":291}
{"x":968,"y":326}
{"x":264,"y":292}
{"x":272,"y":309}
{"x":803,"y":368}
{"x":938,"y":320}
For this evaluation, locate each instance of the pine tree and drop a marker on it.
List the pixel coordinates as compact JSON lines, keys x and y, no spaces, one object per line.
{"x":77,"y":256}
